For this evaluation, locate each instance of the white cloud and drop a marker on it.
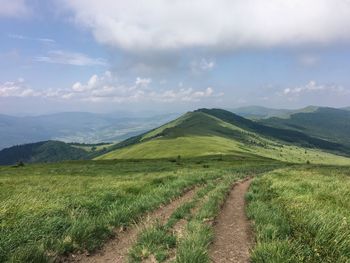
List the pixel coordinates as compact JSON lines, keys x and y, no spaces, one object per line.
{"x":70,"y":58}
{"x":139,"y":25}
{"x":202,"y":65}
{"x":107,"y":88}
{"x":41,"y":39}
{"x":143,"y":82}
{"x":17,"y":89}
{"x":14,"y":8}
{"x":314,"y":87}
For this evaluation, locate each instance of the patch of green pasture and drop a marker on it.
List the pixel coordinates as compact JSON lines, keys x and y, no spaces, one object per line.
{"x":189,"y":146}
{"x":192,"y":146}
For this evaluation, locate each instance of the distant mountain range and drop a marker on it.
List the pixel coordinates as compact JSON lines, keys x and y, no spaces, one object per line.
{"x":75,"y":127}
{"x":259,"y":112}
{"x":324,"y":123}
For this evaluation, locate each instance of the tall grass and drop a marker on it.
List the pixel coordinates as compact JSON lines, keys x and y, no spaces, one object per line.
{"x":54,"y":209}
{"x":302,"y":215}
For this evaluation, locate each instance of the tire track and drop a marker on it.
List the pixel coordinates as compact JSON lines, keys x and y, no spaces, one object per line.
{"x":233,"y":235}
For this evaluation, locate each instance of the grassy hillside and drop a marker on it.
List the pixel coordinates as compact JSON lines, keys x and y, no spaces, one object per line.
{"x":219,"y":132}
{"x":325,"y":123}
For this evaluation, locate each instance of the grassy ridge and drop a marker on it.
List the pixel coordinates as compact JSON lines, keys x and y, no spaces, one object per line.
{"x":213,"y":132}
{"x":53,"y":209}
{"x":302,"y":215}
{"x":189,"y":146}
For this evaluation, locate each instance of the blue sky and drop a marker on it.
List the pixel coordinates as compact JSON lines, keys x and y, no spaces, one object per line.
{"x":103,"y":56}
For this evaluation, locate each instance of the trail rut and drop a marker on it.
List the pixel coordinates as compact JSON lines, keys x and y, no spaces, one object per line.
{"x":116,"y":250}
{"x":233,"y":236}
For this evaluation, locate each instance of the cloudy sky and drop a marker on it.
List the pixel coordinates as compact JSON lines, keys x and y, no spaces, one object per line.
{"x":161,"y":55}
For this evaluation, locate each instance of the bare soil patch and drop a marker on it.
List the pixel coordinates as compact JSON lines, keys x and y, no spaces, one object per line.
{"x":233,"y":235}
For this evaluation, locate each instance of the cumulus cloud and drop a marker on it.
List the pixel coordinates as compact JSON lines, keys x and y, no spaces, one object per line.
{"x":313,"y":87}
{"x":138,"y":25}
{"x":14,"y":8}
{"x":108,"y":88}
{"x":17,"y":89}
{"x":70,"y":58}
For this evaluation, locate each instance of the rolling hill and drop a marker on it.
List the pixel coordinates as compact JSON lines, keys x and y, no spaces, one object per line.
{"x":40,"y":152}
{"x":217,"y":132}
{"x":325,"y":123}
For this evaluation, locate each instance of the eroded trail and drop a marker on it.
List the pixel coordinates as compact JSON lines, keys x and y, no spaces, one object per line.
{"x":233,"y":237}
{"x":116,"y":250}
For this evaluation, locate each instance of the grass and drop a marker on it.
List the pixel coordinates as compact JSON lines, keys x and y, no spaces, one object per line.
{"x":301,"y":214}
{"x":189,"y":146}
{"x":184,"y":146}
{"x":49,"y":210}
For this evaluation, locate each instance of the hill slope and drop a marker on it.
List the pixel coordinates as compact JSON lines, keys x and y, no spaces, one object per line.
{"x":47,"y":151}
{"x":325,"y":123}
{"x":209,"y":132}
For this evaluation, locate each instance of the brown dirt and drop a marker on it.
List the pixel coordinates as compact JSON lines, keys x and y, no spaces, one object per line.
{"x":116,"y":250}
{"x":233,"y":236}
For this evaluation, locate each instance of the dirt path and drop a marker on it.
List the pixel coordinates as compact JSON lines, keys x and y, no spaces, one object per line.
{"x":116,"y":250}
{"x":233,"y":237}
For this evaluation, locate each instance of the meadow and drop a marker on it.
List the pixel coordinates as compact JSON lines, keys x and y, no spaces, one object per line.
{"x":301,"y":214}
{"x":50,"y":210}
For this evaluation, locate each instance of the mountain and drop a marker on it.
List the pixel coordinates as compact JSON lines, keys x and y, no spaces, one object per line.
{"x":259,"y":112}
{"x":76,"y":127}
{"x":46,"y":151}
{"x":217,"y":132}
{"x":325,"y":123}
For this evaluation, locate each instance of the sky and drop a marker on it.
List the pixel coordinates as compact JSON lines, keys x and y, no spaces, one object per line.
{"x":167,"y":56}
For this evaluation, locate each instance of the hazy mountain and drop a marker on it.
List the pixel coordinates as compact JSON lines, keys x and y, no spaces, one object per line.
{"x":76,"y":127}
{"x":259,"y":112}
{"x":325,"y":123}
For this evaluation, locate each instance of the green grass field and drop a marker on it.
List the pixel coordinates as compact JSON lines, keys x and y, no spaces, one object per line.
{"x":301,"y":214}
{"x":49,"y":210}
